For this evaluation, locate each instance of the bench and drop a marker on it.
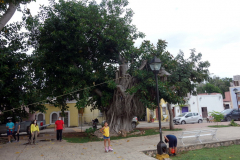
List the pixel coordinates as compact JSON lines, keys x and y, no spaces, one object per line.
{"x":197,"y":134}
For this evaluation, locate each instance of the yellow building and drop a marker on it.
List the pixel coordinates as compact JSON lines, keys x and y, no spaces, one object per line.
{"x":154,"y":113}
{"x":73,"y":117}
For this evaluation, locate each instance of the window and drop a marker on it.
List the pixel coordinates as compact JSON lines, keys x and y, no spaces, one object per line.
{"x":54,"y":117}
{"x":40,"y":117}
{"x":190,"y":115}
{"x":164,"y":110}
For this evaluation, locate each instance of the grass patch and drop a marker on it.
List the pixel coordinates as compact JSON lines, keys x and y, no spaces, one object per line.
{"x":177,"y":129}
{"x":219,"y":153}
{"x":219,"y":126}
{"x":148,"y":132}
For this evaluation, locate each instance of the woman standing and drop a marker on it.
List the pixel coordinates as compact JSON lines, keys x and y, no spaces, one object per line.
{"x":34,"y":132}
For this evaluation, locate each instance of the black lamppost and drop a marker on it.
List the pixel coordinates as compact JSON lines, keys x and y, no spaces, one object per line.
{"x":155,"y":65}
{"x":237,"y":92}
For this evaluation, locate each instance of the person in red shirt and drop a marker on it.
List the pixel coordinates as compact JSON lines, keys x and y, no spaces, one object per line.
{"x":59,"y":126}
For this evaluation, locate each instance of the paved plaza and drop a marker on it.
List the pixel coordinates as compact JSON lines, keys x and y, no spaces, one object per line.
{"x":124,"y":149}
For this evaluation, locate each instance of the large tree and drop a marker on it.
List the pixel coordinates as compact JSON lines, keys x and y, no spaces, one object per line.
{"x":79,"y":44}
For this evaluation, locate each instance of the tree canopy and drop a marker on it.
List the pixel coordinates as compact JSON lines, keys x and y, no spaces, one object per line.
{"x":8,"y":8}
{"x":79,"y":44}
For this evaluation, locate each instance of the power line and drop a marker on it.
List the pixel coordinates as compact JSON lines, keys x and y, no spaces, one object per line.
{"x":64,"y":94}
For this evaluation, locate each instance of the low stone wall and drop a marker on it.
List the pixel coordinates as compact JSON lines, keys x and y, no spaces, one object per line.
{"x":153,"y":153}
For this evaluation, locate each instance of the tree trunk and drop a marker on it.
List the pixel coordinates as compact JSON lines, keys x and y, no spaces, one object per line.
{"x":171,"y":126}
{"x":8,"y":15}
{"x":124,"y":106}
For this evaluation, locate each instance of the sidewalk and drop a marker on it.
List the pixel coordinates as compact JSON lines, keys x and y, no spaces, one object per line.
{"x":127,"y":149}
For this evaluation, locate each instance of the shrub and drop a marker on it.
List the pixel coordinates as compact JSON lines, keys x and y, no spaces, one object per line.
{"x":232,"y":123}
{"x":90,"y":131}
{"x":218,"y":116}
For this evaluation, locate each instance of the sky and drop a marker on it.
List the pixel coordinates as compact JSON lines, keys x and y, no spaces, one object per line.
{"x":212,"y":27}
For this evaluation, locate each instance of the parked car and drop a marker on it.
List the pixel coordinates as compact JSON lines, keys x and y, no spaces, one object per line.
{"x":134,"y":122}
{"x":188,"y":117}
{"x":230,"y":114}
{"x":24,"y":126}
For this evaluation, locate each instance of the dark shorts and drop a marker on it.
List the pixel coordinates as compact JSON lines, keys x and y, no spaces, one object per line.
{"x":104,"y":137}
{"x":9,"y":133}
{"x":173,"y":143}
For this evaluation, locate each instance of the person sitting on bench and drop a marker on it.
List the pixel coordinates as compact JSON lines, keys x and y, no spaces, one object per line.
{"x":172,"y":140}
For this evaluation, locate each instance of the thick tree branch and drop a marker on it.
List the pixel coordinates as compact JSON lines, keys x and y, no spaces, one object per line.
{"x":143,"y":64}
{"x":8,"y":15}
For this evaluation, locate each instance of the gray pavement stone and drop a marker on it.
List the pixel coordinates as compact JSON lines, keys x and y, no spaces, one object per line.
{"x":127,"y":149}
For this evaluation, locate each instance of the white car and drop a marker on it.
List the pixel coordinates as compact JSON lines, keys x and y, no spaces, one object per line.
{"x":188,"y":117}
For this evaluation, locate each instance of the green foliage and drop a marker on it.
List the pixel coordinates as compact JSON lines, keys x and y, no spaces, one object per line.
{"x":218,"y":116}
{"x":208,"y":88}
{"x":215,"y":84}
{"x":232,"y":123}
{"x":17,"y":84}
{"x":88,"y":39}
{"x":90,"y":131}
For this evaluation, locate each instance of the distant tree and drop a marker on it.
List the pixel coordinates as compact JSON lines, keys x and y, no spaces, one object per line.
{"x":215,"y":84}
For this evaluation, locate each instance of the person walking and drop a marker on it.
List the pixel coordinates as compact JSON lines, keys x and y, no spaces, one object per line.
{"x":172,"y":140}
{"x":34,"y":132}
{"x":10,"y":128}
{"x":16,"y":130}
{"x":106,"y":137}
{"x":59,"y":126}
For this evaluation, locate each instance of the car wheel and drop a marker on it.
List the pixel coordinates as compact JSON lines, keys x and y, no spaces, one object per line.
{"x":199,"y":121}
{"x":133,"y":125}
{"x":183,"y":122}
{"x":229,"y":119}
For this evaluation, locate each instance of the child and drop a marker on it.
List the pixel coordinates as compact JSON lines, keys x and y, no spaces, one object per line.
{"x":172,"y":140}
{"x":105,"y":132}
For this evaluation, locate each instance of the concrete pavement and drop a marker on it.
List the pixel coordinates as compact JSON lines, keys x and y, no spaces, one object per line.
{"x":127,"y":149}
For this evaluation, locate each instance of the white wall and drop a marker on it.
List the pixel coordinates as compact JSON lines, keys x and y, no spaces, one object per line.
{"x":212,"y":102}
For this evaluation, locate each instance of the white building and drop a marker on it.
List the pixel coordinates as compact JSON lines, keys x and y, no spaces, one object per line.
{"x":202,"y":104}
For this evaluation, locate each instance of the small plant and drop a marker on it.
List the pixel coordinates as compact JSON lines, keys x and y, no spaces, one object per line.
{"x":90,"y":131}
{"x":137,"y":123}
{"x":232,"y":123}
{"x":218,"y":116}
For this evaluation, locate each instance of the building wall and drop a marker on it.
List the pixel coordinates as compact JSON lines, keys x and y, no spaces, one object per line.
{"x":163,"y":104}
{"x":233,"y":96}
{"x":89,"y":115}
{"x":72,"y":110}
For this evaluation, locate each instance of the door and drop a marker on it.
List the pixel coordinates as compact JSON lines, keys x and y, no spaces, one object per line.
{"x":66,"y":119}
{"x":189,"y":118}
{"x":204,"y":112}
{"x":184,"y":109}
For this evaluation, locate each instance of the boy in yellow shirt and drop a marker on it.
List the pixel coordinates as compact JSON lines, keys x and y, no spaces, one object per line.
{"x":106,"y":137}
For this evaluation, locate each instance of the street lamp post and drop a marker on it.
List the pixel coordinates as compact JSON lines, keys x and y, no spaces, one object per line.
{"x":155,"y":65}
{"x":237,"y":92}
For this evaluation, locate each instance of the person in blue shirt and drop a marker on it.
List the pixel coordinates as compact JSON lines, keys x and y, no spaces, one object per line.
{"x":16,"y":130}
{"x":172,"y":140}
{"x":10,"y":129}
